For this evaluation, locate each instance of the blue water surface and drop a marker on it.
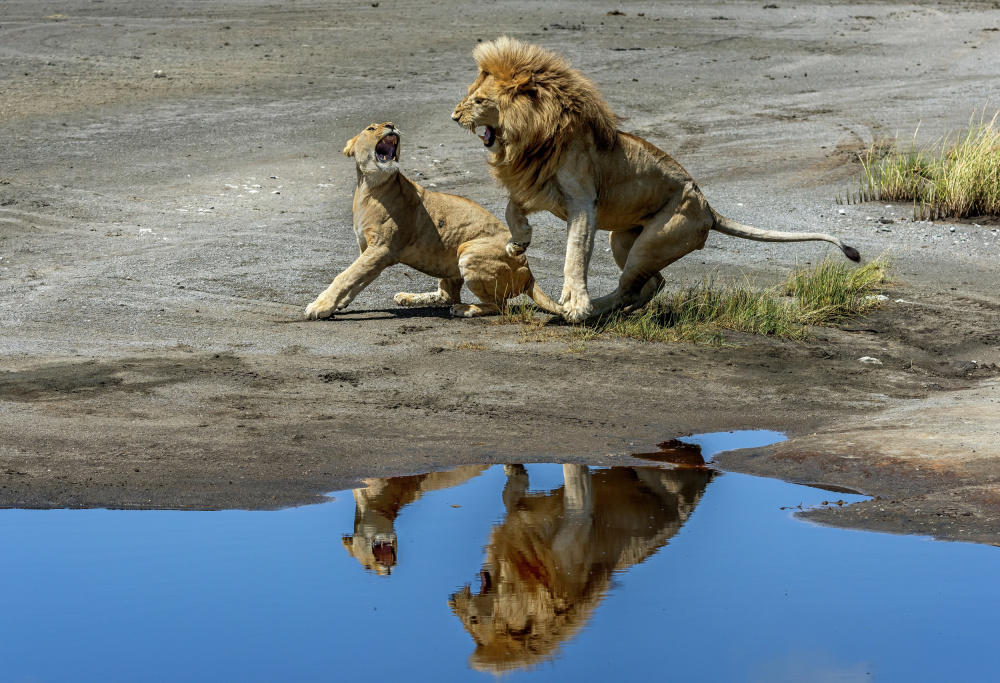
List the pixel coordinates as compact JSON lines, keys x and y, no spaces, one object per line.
{"x":742,"y":592}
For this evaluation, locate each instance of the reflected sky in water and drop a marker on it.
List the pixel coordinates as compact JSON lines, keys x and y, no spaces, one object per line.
{"x":452,"y":576}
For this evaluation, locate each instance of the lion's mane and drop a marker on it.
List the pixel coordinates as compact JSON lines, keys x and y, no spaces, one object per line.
{"x":543,"y":104}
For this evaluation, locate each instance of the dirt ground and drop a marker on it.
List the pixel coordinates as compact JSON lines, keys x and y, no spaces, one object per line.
{"x":172,"y":196}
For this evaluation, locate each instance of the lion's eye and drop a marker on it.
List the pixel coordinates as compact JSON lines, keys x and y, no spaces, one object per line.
{"x":371,"y":127}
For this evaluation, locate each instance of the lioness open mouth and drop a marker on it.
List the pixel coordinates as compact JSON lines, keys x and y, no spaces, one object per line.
{"x":387,"y":148}
{"x":487,"y":134}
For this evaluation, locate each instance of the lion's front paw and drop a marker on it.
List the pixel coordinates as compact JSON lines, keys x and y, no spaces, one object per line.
{"x":566,"y":295}
{"x":516,"y":248}
{"x":323,"y":307}
{"x":576,"y":308}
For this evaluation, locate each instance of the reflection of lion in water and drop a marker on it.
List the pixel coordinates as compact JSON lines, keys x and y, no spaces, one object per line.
{"x":373,"y":543}
{"x":550,"y":562}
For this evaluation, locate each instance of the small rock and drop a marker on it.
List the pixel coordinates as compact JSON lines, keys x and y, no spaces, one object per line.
{"x":842,"y":211}
{"x":159,"y":74}
{"x":868,"y":360}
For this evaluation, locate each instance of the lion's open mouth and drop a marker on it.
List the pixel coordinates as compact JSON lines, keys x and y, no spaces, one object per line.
{"x":487,"y":134}
{"x":387,"y":148}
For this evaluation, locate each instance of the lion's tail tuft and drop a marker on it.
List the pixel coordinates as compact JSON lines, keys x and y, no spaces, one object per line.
{"x":851,"y":253}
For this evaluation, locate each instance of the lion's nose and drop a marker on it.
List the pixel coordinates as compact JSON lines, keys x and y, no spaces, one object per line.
{"x":455,"y":115}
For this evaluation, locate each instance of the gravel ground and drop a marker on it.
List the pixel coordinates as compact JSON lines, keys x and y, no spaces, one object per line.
{"x":172,"y":196}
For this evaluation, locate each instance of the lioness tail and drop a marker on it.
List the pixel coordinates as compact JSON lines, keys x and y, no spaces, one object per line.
{"x":542,"y":299}
{"x":728,"y":227}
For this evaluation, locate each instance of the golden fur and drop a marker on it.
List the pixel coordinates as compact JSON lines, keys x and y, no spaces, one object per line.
{"x":378,"y":504}
{"x":555,"y":147}
{"x":552,"y":559}
{"x":444,"y":236}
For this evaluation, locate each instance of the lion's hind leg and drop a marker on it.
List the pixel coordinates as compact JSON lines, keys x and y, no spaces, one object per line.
{"x":678,"y":229}
{"x":448,"y":293}
{"x":492,"y":275}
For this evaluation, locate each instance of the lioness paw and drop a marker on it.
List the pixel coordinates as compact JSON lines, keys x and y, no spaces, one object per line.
{"x":321,"y":308}
{"x":462,"y":311}
{"x":516,"y":248}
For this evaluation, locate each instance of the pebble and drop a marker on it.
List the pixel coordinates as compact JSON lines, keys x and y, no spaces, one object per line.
{"x":868,"y":360}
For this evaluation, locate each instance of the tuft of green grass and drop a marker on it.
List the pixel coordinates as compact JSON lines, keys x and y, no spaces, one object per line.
{"x":517,"y":311}
{"x":833,"y":290}
{"x":824,"y":295}
{"x":945,"y":179}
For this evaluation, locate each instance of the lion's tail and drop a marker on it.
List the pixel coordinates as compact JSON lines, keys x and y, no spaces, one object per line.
{"x":539,"y":296}
{"x":734,"y":229}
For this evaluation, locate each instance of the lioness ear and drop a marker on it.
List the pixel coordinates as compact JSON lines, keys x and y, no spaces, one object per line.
{"x":349,"y":147}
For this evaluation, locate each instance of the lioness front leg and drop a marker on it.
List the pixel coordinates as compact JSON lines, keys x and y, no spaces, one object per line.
{"x":575,"y":299}
{"x":449,"y":293}
{"x":520,"y":229}
{"x":350,"y":283}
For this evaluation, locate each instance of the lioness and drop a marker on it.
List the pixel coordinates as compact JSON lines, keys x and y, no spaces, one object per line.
{"x":379,"y":503}
{"x":556,"y":147}
{"x":444,"y":236}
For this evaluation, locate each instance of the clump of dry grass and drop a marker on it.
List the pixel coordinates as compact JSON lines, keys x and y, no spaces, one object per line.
{"x":946,"y":179}
{"x":826,"y":294}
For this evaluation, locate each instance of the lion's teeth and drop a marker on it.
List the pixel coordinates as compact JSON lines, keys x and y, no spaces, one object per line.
{"x":481,"y":131}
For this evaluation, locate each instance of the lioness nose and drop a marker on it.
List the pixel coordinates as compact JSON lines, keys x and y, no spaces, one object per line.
{"x":455,"y":115}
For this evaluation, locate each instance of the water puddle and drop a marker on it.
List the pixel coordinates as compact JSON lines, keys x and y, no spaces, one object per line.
{"x":554,"y":572}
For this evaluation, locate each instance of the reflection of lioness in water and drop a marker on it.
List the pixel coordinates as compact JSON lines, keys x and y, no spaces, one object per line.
{"x":379,"y":503}
{"x":444,"y":236}
{"x":550,"y":562}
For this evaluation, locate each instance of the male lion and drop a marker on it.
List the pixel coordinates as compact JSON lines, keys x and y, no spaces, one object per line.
{"x":555,"y":555}
{"x":556,"y":147}
{"x":444,"y":236}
